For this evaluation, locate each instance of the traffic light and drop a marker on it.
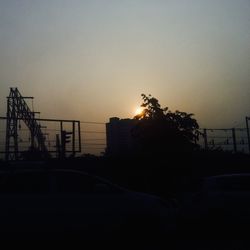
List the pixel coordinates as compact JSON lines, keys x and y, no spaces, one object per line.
{"x":65,"y":137}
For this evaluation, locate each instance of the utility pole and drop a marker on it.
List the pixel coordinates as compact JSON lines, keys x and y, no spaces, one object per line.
{"x":73,"y":139}
{"x":58,"y":147}
{"x":234,"y":140}
{"x":205,"y":138}
{"x":248,"y":133}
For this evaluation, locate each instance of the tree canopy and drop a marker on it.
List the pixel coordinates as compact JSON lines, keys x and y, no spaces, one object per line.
{"x":161,"y":131}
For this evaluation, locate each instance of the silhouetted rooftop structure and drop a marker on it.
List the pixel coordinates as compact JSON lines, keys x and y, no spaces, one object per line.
{"x":119,"y":137}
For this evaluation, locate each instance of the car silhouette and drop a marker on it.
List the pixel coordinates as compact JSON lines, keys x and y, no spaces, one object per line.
{"x":224,"y":196}
{"x":219,"y":211}
{"x":69,"y":203}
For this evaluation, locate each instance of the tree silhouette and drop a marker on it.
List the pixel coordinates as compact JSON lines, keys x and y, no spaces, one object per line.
{"x":161,"y":131}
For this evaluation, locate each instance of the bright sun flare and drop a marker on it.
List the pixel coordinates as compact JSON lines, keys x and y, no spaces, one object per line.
{"x":138,"y":110}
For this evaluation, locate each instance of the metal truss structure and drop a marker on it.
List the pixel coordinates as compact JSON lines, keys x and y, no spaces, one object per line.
{"x":17,"y":109}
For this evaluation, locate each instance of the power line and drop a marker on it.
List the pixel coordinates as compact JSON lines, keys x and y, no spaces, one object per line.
{"x":95,"y":144}
{"x":92,"y":131}
{"x":83,"y":131}
{"x":220,"y":129}
{"x":90,"y":122}
{"x":93,"y":148}
{"x":103,"y":139}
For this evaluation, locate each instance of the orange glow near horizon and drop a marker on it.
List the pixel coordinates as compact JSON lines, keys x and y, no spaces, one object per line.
{"x":138,"y":110}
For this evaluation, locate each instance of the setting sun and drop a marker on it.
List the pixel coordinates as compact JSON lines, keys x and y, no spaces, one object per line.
{"x":138,"y":110}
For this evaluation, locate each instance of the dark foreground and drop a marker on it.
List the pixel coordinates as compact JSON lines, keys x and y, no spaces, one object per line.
{"x":177,"y":203}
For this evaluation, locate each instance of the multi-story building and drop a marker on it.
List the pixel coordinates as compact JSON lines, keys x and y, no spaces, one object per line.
{"x":119,"y":136}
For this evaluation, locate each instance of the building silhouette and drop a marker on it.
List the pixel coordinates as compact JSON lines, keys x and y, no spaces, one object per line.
{"x":119,"y":136}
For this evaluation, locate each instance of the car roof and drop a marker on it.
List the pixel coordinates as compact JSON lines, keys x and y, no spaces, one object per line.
{"x":55,"y":171}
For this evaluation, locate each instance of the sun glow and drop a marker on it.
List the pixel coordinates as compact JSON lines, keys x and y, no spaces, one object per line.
{"x":138,"y":110}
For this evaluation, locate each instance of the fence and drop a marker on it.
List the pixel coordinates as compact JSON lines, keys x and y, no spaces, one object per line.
{"x":233,"y":139}
{"x":93,"y":138}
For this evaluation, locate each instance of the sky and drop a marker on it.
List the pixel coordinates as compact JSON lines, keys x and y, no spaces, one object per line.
{"x":91,"y":60}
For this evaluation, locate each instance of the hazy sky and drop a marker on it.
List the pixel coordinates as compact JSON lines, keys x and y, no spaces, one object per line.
{"x":91,"y":60}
